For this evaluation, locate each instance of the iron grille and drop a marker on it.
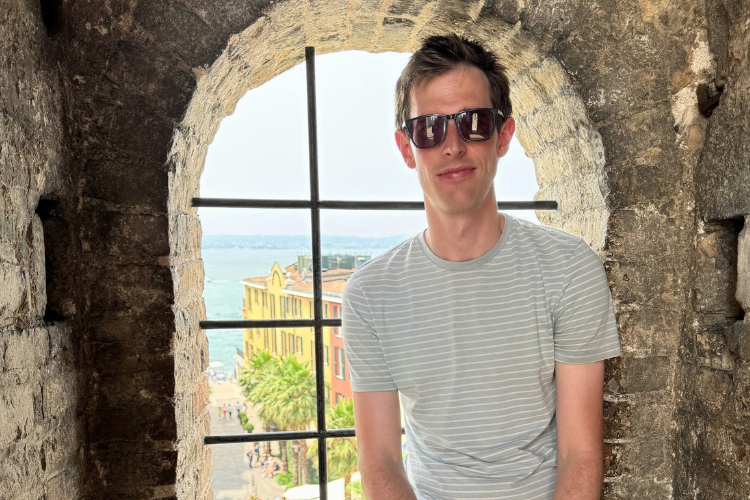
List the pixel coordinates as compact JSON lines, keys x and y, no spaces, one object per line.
{"x":318,"y":322}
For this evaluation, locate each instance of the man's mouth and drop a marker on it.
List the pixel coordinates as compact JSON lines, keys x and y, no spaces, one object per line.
{"x":456,"y":173}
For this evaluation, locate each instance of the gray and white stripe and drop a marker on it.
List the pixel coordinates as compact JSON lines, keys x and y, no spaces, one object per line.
{"x":471,"y":347}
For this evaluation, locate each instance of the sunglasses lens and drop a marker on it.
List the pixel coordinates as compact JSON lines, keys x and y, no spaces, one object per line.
{"x":476,"y":124}
{"x":427,"y":131}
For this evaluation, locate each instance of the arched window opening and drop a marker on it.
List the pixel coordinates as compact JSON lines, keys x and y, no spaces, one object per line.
{"x":257,"y":261}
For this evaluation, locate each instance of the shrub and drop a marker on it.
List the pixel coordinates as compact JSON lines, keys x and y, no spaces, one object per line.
{"x":284,"y":478}
{"x":249,"y":427}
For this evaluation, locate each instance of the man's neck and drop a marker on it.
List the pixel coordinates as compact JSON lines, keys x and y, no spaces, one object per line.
{"x":463,"y":237}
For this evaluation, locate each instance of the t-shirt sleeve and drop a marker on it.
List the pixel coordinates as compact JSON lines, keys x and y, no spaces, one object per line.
{"x":585,"y":326}
{"x":367,"y":366}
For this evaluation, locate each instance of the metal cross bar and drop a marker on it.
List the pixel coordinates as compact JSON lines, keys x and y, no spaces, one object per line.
{"x":278,"y":436}
{"x":354,"y":205}
{"x":247,"y":324}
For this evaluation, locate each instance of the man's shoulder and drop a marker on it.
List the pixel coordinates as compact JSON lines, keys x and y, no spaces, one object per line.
{"x":543,"y":238}
{"x":391,"y":260}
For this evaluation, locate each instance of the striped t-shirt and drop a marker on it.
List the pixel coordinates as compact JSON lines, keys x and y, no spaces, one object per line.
{"x":471,"y":347}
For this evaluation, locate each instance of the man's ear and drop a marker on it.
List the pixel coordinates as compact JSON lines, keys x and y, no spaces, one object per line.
{"x":505,"y":134}
{"x":404,"y":147}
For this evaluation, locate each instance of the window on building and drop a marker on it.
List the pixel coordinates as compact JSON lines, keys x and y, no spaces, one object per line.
{"x":339,"y":362}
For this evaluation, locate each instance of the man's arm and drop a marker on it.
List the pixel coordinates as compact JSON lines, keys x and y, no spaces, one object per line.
{"x":579,"y":408}
{"x":377,"y":420}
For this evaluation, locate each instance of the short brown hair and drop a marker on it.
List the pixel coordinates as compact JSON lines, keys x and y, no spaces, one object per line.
{"x":440,"y":54}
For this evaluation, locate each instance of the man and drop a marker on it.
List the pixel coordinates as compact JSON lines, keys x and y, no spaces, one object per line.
{"x":492,"y":329}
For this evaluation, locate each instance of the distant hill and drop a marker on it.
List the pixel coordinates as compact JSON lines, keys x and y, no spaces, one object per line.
{"x":329,"y":243}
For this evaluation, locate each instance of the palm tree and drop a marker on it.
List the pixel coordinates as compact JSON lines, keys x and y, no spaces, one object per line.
{"x":256,"y":380}
{"x":285,"y":390}
{"x":342,"y":452}
{"x":296,"y":407}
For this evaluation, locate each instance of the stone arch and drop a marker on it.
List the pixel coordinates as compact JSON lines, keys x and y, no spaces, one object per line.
{"x":553,"y":125}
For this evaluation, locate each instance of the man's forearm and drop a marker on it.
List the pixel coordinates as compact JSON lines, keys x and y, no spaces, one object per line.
{"x":384,"y":480}
{"x":579,"y":477}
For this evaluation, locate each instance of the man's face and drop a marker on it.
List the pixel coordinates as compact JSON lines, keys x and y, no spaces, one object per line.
{"x":456,"y":176}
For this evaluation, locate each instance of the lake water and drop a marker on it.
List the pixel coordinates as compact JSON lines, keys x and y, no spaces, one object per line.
{"x":223,"y":293}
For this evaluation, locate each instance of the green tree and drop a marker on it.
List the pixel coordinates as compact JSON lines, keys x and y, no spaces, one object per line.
{"x":285,"y":390}
{"x":342,"y":452}
{"x":296,"y":408}
{"x":256,"y":380}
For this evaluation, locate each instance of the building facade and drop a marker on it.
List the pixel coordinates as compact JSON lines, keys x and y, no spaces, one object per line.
{"x":287,"y":294}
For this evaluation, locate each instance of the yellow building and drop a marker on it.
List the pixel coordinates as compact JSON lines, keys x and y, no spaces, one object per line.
{"x":285,"y":294}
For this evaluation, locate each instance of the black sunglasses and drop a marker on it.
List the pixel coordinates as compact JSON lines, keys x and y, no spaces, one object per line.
{"x":473,"y":125}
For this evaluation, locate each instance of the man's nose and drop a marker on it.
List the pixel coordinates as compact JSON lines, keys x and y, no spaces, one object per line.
{"x":453,"y":144}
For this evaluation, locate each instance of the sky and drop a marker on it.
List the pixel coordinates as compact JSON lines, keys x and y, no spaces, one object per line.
{"x":261,"y":151}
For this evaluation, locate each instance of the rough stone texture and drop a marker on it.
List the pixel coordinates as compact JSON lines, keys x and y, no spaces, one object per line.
{"x":743,"y":267}
{"x":101,"y":376}
{"x":39,"y":434}
{"x":714,"y":380}
{"x":723,"y":175}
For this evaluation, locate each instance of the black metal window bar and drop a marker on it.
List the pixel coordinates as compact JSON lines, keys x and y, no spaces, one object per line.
{"x":315,"y":205}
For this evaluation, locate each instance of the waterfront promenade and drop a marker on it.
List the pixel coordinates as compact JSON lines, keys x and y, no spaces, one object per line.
{"x":231,"y":477}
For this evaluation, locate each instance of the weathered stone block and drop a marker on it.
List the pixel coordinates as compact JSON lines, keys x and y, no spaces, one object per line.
{"x":649,"y":331}
{"x":188,"y":282}
{"x":649,"y":283}
{"x":613,"y":463}
{"x":395,"y":32}
{"x":153,"y":467}
{"x":644,"y":186}
{"x":644,"y":235}
{"x":17,"y":408}
{"x":126,"y":329}
{"x":716,"y":276}
{"x":710,"y":345}
{"x":131,"y":288}
{"x":113,"y":181}
{"x":25,"y":349}
{"x":63,"y":486}
{"x":738,"y":340}
{"x":185,"y":235}
{"x":13,"y":293}
{"x":617,"y":417}
{"x":131,"y":237}
{"x":707,"y":390}
{"x":743,"y":267}
{"x":407,"y":7}
{"x":637,"y":375}
{"x":722,"y":175}
{"x":642,"y":134}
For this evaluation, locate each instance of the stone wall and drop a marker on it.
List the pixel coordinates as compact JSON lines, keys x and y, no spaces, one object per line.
{"x":713,"y":414}
{"x":39,"y":433}
{"x":612,"y":103}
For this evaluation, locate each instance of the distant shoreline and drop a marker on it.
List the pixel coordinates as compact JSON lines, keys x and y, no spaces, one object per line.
{"x":298,"y":242}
